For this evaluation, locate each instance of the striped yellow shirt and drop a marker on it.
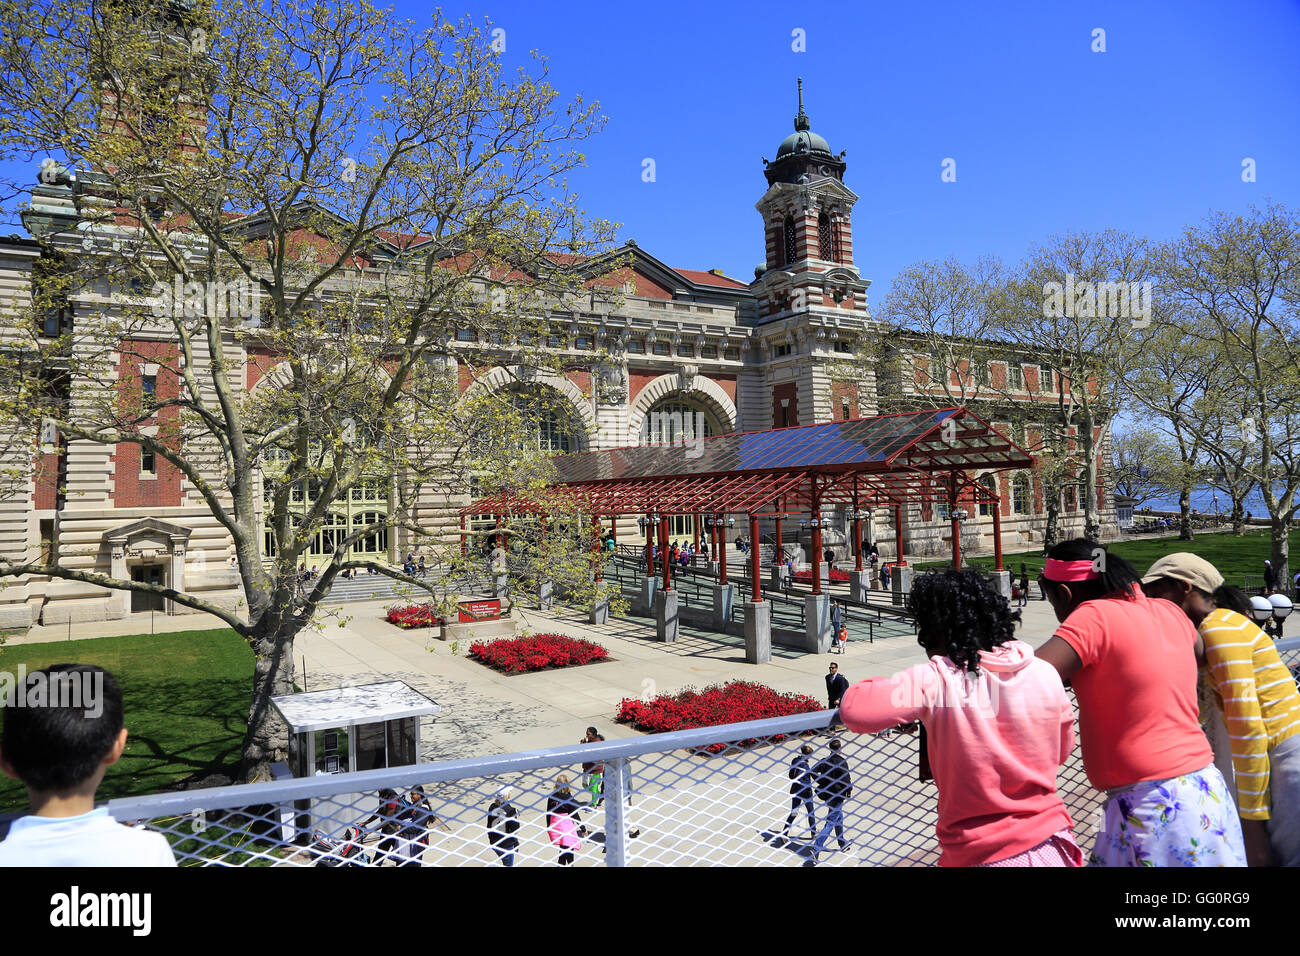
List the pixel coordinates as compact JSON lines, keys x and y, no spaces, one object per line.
{"x":1257,"y":696}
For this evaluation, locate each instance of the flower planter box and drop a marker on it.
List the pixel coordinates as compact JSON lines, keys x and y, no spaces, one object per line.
{"x":413,"y":616}
{"x":538,"y":652}
{"x":716,"y":705}
{"x":836,"y":575}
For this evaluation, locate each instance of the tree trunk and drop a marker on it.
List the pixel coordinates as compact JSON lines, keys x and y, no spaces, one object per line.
{"x":1238,"y":517}
{"x":1281,"y":531}
{"x":1051,"y":530}
{"x":1185,"y":511}
{"x":267,"y":738}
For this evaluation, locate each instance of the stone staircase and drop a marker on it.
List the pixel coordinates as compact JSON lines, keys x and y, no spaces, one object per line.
{"x":366,"y":587}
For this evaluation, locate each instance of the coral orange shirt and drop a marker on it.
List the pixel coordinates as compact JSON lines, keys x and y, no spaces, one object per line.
{"x":1138,"y":716}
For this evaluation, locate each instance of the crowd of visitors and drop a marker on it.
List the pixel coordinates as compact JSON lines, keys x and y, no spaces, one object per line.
{"x":1138,"y":651}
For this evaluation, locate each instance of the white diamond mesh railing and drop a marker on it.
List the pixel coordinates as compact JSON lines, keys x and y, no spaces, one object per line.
{"x":660,"y":800}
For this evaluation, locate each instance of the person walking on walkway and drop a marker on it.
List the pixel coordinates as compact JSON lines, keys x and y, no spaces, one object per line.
{"x":502,"y":825}
{"x":562,"y":826}
{"x":837,"y":626}
{"x":801,"y":792}
{"x":1024,"y":585}
{"x":834,"y":786}
{"x":836,"y":685}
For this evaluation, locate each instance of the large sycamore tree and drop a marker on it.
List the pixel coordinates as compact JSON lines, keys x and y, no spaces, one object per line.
{"x":338,"y":197}
{"x":1235,"y":280}
{"x":1077,"y":302}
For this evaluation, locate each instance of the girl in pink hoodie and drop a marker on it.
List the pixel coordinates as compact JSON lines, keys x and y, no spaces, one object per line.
{"x":997,"y":721}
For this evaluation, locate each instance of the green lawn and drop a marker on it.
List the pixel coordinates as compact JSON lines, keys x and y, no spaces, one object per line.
{"x":1233,"y":556}
{"x":186,"y":698}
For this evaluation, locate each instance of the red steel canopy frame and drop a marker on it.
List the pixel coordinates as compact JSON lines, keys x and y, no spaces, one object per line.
{"x":887,"y":460}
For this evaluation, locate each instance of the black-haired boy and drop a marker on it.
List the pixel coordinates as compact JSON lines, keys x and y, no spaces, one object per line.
{"x":62,"y":730}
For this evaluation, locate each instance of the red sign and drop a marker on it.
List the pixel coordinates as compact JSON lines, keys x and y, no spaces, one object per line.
{"x":480,"y":611}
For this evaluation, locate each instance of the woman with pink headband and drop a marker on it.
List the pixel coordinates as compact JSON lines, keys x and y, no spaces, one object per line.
{"x":1132,"y":663}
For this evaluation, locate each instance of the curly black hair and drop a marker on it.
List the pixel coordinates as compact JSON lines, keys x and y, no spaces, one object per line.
{"x":959,"y":614}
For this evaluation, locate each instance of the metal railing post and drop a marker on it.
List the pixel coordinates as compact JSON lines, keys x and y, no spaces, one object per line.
{"x":616,"y":792}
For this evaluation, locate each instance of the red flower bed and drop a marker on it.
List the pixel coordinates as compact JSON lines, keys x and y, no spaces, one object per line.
{"x":729,"y":703}
{"x":805,"y":577}
{"x":536,"y":653}
{"x":414,"y":615}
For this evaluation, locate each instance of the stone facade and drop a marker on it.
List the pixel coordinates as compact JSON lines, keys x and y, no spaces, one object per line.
{"x":699,"y":345}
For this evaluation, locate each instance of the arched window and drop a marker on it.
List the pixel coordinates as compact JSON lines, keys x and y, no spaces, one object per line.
{"x":1020,"y":494}
{"x":552,"y":429}
{"x":827,"y":238}
{"x":791,"y":251}
{"x":673,"y":420}
{"x":986,"y":507}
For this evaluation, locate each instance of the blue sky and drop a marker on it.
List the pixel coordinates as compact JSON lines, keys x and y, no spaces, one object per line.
{"x":1047,"y":135}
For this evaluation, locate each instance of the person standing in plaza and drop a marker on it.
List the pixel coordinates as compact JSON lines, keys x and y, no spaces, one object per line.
{"x":417,"y":817}
{"x":884,"y":577}
{"x":562,"y":827}
{"x":593,"y":773}
{"x":389,"y":813}
{"x":801,"y":792}
{"x":997,"y":721}
{"x":1024,"y":585}
{"x":834,"y":786}
{"x":1255,"y":695}
{"x":1131,"y":660}
{"x":836,"y":685}
{"x":837,"y":622}
{"x":502,"y":825}
{"x":1270,"y":578}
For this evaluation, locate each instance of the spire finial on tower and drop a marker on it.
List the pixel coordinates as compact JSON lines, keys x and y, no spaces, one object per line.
{"x":801,"y":121}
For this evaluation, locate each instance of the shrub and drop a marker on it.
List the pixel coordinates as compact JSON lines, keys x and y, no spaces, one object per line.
{"x":805,"y":577}
{"x":413,"y":615}
{"x":535,"y":653}
{"x":730,"y":703}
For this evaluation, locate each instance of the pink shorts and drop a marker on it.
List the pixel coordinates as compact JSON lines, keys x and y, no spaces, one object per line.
{"x":1057,"y":850}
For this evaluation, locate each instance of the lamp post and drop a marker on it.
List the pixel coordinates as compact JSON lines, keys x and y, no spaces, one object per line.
{"x":959,"y":515}
{"x":1270,"y":612}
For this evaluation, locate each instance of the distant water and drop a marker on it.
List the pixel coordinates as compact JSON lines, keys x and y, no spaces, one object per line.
{"x":1206,"y":500}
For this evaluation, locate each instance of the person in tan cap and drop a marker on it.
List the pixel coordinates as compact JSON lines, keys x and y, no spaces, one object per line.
{"x":1256,"y":695}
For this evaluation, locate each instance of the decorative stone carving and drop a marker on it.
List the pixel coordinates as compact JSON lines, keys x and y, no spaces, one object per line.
{"x":688,"y":375}
{"x":612,"y":384}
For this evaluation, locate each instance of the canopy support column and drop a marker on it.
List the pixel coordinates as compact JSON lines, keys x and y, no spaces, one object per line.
{"x":898,"y":536}
{"x":756,"y":584}
{"x":816,"y":522}
{"x":649,"y":547}
{"x":997,"y":535}
{"x":663,"y":547}
{"x":956,"y":524}
{"x":720,"y":533}
{"x":857,"y":529}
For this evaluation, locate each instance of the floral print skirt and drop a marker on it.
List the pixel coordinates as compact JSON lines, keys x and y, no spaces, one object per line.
{"x":1183,"y":821}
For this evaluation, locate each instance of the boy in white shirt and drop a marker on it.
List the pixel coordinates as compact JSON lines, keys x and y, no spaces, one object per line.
{"x":60,"y":746}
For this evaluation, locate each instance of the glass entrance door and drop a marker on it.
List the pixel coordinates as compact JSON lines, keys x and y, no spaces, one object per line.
{"x":147,"y":574}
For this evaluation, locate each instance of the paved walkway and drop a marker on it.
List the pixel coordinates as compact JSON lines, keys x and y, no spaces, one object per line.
{"x":485,"y":712}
